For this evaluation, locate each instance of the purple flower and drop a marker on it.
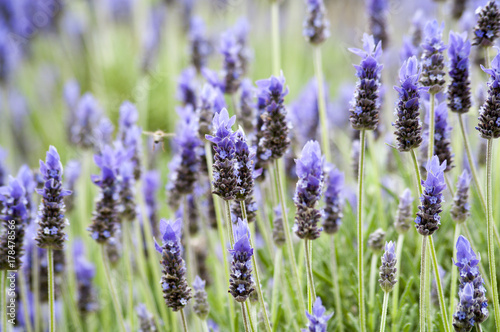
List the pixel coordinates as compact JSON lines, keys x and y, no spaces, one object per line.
{"x":176,"y":291}
{"x":404,"y":213}
{"x":407,"y":49}
{"x":460,"y":210}
{"x":241,"y":30}
{"x":366,"y":104}
{"x":317,"y":318}
{"x":73,"y":170}
{"x":130,"y":134}
{"x":442,"y":131}
{"x":187,"y":87}
{"x":246,"y":109}
{"x":377,"y":16}
{"x":432,"y":58}
{"x":244,"y":166}
{"x":428,"y":218}
{"x":232,"y":68}
{"x":27,"y":179}
{"x":152,"y":35}
{"x":333,"y":201}
{"x":241,"y":283}
{"x":388,"y":271}
{"x":487,"y":27}
{"x":146,"y":319}
{"x":308,"y":191}
{"x":3,"y":167}
{"x":489,"y":114}
{"x":199,"y":45}
{"x":51,"y":220}
{"x":211,"y":102}
{"x":150,"y":186}
{"x":304,"y":113}
{"x":200,"y":306}
{"x":87,"y":117}
{"x":459,"y":95}
{"x":316,"y":26}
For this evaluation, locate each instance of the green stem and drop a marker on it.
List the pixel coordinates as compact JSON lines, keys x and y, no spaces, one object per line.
{"x":36,"y":288}
{"x":432,"y":120}
{"x":428,"y":304}
{"x":220,"y":229}
{"x":257,"y":276}
{"x":128,"y":267}
{"x":249,"y":316}
{"x":479,"y":328}
{"x":311,"y":293}
{"x":50,"y":270}
{"x":288,"y":238}
{"x":229,"y":222}
{"x":454,"y":273}
{"x":275,"y":34}
{"x":275,"y":295}
{"x":184,"y":322}
{"x":24,"y":296}
{"x":361,"y":295}
{"x":422,"y":309}
{"x":245,"y":318}
{"x":336,"y":287}
{"x":442,"y":303}
{"x":417,"y":172}
{"x":325,"y":141}
{"x":114,"y":296}
{"x":384,"y":312}
{"x":371,"y":291}
{"x":3,"y":308}
{"x":395,"y":294}
{"x":490,"y":223}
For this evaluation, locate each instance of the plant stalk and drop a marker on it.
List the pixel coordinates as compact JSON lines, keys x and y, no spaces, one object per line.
{"x":442,"y":303}
{"x":361,"y":295}
{"x":432,"y":120}
{"x":422,"y":308}
{"x":184,"y":322}
{"x":371,"y":290}
{"x":318,"y":71}
{"x":336,"y":287}
{"x":114,"y":296}
{"x":128,"y":268}
{"x":3,"y":308}
{"x":395,"y":291}
{"x":311,"y":292}
{"x":50,"y":270}
{"x":384,"y":312}
{"x":454,"y":274}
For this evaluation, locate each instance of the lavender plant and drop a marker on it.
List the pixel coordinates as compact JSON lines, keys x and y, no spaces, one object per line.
{"x":487,"y":27}
{"x":317,"y":318}
{"x":377,"y":20}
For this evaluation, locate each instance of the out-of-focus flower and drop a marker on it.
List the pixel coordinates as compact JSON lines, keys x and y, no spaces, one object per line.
{"x":200,"y":306}
{"x":187,"y":87}
{"x":317,"y":318}
{"x":404,"y":213}
{"x":316,"y":25}
{"x":232,"y":69}
{"x":388,"y":271}
{"x":376,"y":240}
{"x":460,"y":210}
{"x":488,"y":24}
{"x":333,"y":201}
{"x":85,"y":273}
{"x":489,"y":114}
{"x":377,"y":18}
{"x":199,"y":46}
{"x":146,"y":319}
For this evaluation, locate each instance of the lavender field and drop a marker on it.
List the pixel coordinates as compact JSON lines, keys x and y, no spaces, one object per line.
{"x":249,"y":165}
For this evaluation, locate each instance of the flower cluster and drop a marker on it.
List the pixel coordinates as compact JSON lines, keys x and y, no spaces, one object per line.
{"x":489,"y":114}
{"x":244,"y":166}
{"x":127,"y":190}
{"x":333,"y":201}
{"x":404,"y":213}
{"x":377,"y":17}
{"x":388,"y":269}
{"x":365,"y":105}
{"x":271,"y":94}
{"x":51,"y":219}
{"x":308,"y":191}
{"x":408,"y":128}
{"x":460,"y":209}
{"x":304,"y":114}
{"x":241,"y":283}
{"x":442,"y":131}
{"x":201,"y":306}
{"x":315,"y":26}
{"x":225,"y":173}
{"x":232,"y":70}
{"x":130,"y":134}
{"x":473,"y":306}
{"x":376,"y":240}
{"x":13,"y":216}
{"x":428,"y":218}
{"x":85,"y":273}
{"x":488,"y":25}
{"x":432,"y":58}
{"x":199,"y":46}
{"x":176,"y":291}
{"x":317,"y":318}
{"x":186,"y":162}
{"x":459,"y":95}
{"x":187,"y":87}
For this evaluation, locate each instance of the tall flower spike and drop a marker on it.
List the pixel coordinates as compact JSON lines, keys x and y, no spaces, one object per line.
{"x":187,"y":87}
{"x":105,"y":217}
{"x":470,"y":278}
{"x":275,"y":128}
{"x":232,"y":69}
{"x":186,"y":162}
{"x":130,"y":134}
{"x":459,"y":95}
{"x":376,"y":240}
{"x":460,"y":209}
{"x":146,"y":319}
{"x":333,"y":201}
{"x":211,"y":102}
{"x":51,"y":221}
{"x":176,"y":291}
{"x":489,"y":114}
{"x":27,"y":180}
{"x":241,"y":30}
{"x":317,"y":318}
{"x":127,"y":190}
{"x":14,"y":216}
{"x":488,"y":25}
{"x":201,"y":307}
{"x":463,"y":318}
{"x":241,"y":283}
{"x":428,"y":218}
{"x":365,"y":105}
{"x":316,"y":25}
{"x":377,"y":18}
{"x":404,"y":213}
{"x":73,"y":169}
{"x":308,"y":191}
{"x":150,"y":186}
{"x":432,"y":59}
{"x":244,"y":165}
{"x":408,"y":128}
{"x":225,"y":173}
{"x":246,"y":116}
{"x":85,"y":273}
{"x":199,"y":46}
{"x":388,"y":269}
{"x":442,"y":131}
{"x":87,"y":117}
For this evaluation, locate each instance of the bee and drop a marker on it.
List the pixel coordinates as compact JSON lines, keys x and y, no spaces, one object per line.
{"x":158,"y":137}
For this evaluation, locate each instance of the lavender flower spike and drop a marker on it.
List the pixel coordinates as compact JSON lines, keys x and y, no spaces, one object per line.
{"x":232,"y":71}
{"x":442,"y":131}
{"x":459,"y":95}
{"x":199,"y":46}
{"x":244,"y":158}
{"x":308,"y":191}
{"x":388,"y":268}
{"x":14,"y":216}
{"x":85,"y":273}
{"x":460,"y":210}
{"x":87,"y":117}
{"x":488,"y":25}
{"x":176,"y":291}
{"x":489,"y":114}
{"x":432,"y":58}
{"x":428,"y":218}
{"x":404,"y":213}
{"x":51,"y":221}
{"x":225,"y":168}
{"x":72,"y":170}
{"x":408,"y":128}
{"x":201,"y":306}
{"x":150,"y":186}
{"x":146,"y":319}
{"x":241,"y":283}
{"x":211,"y":102}
{"x":333,"y":201}
{"x":365,"y":105}
{"x":377,"y":17}
{"x":315,"y":26}
{"x":317,"y":318}
{"x":475,"y":309}
{"x":186,"y":90}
